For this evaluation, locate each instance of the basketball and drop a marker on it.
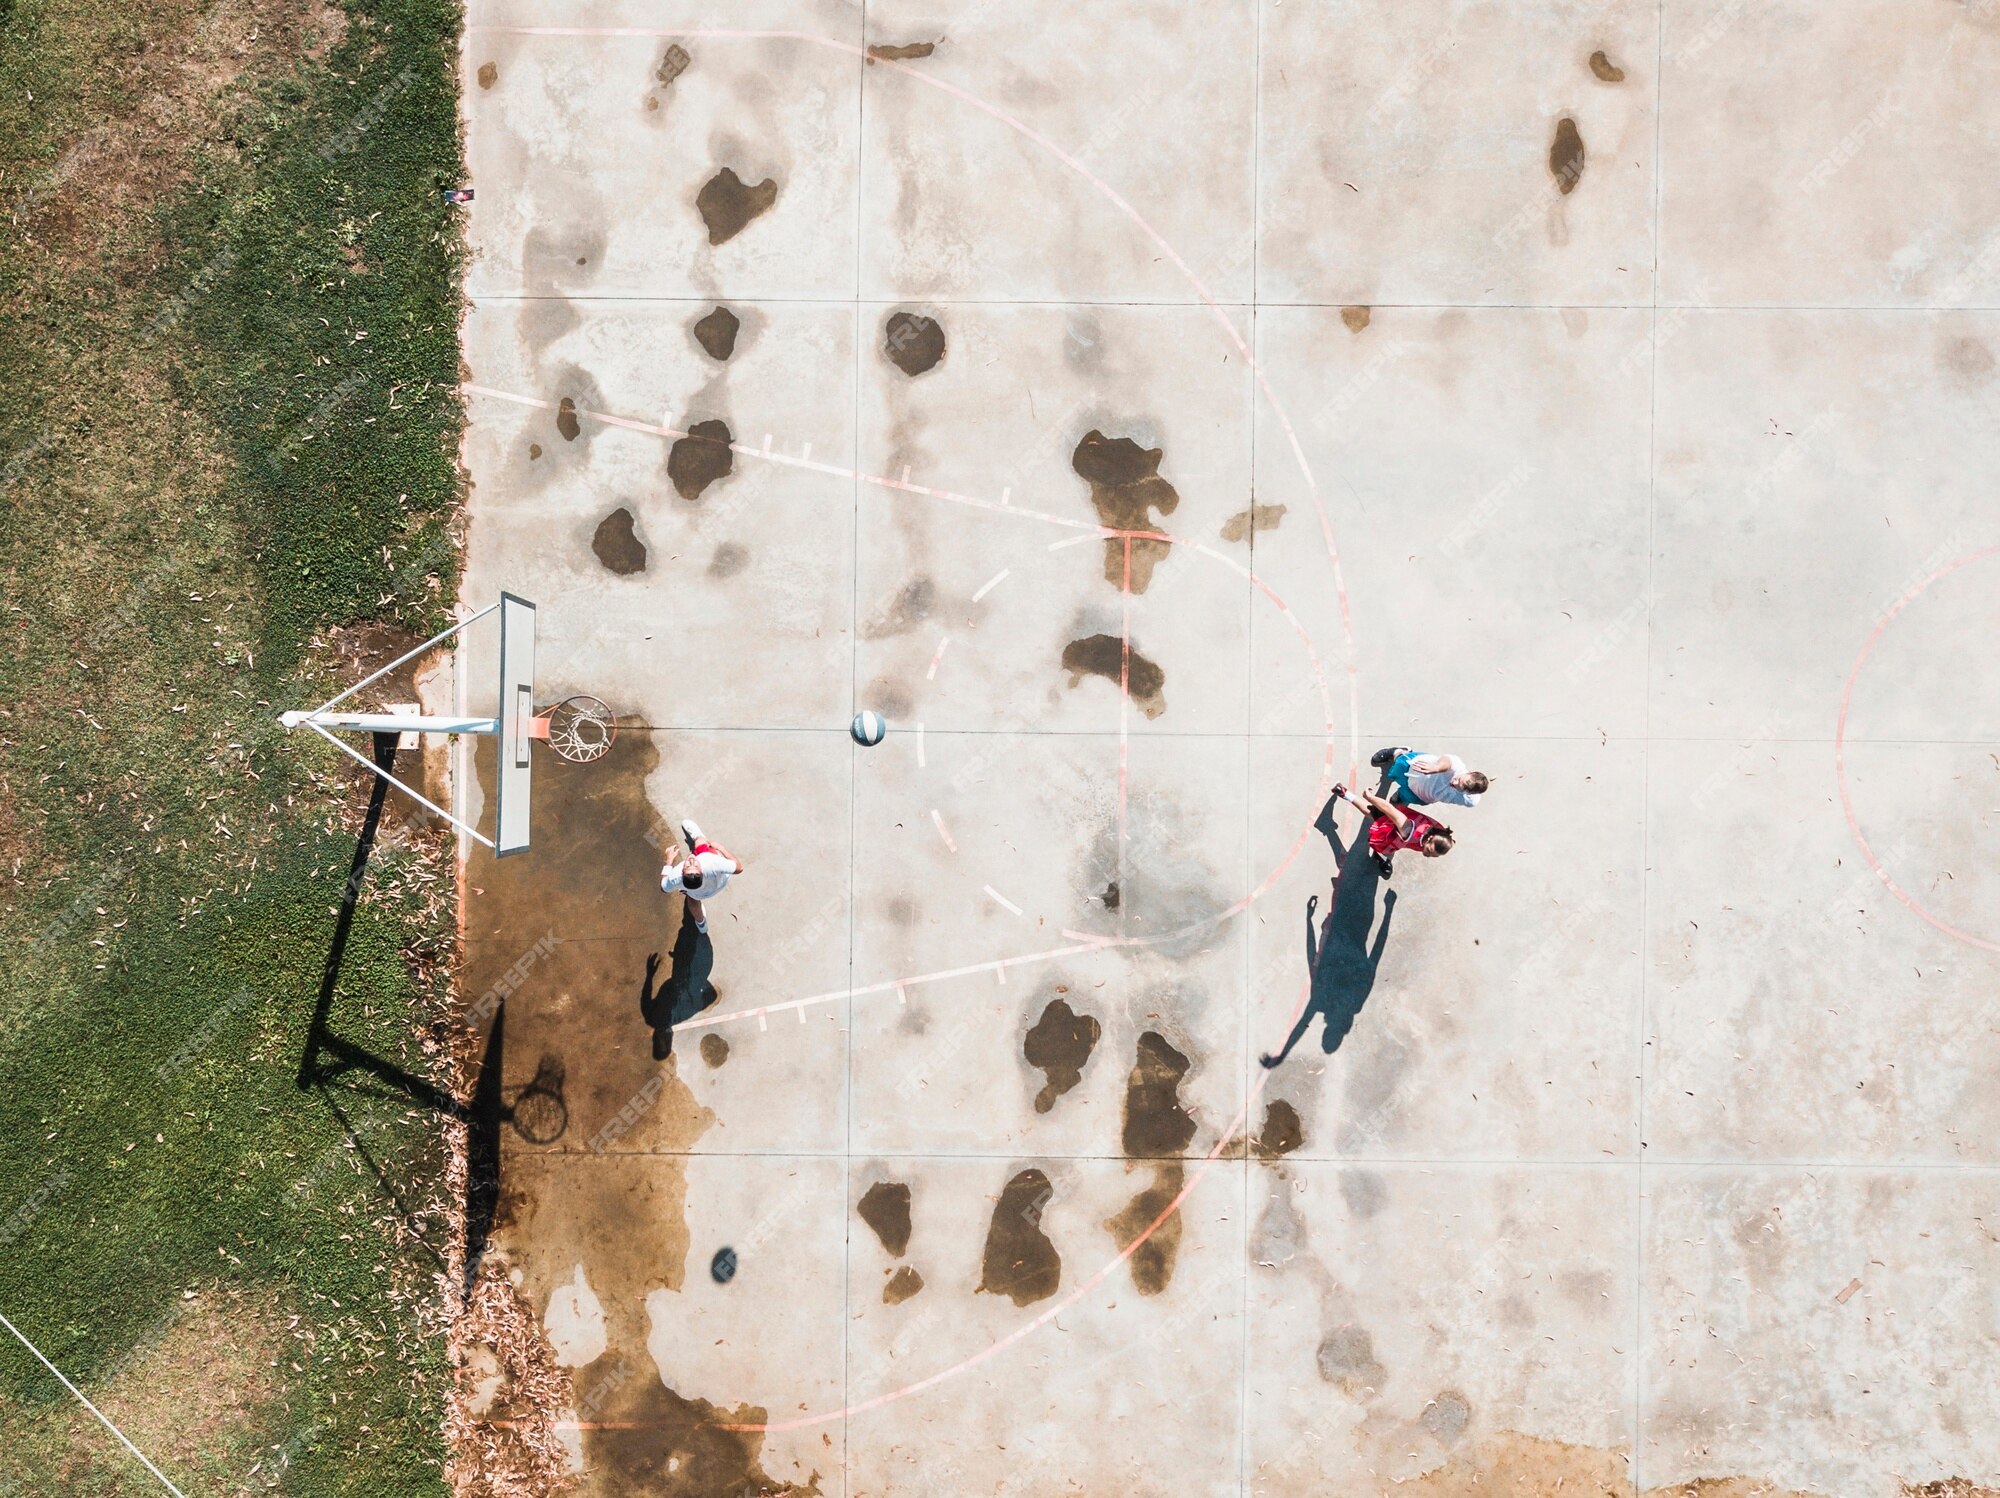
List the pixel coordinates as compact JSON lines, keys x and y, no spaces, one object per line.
{"x":868,"y":728}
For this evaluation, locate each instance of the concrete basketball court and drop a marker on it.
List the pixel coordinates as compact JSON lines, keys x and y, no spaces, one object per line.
{"x":1605,"y":392}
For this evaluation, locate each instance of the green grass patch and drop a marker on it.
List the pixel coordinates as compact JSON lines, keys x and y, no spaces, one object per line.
{"x":228,"y":309}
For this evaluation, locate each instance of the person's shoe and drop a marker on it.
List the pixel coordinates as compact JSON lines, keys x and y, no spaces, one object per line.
{"x":1381,"y":758}
{"x":702,"y":927}
{"x":693,"y":835}
{"x":1386,"y":868}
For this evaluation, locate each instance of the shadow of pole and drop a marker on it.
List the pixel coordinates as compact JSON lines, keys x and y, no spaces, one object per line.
{"x":328,"y":1059}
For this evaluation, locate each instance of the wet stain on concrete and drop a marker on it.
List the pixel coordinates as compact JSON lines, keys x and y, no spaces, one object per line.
{"x":567,"y":932}
{"x":1969,"y":357}
{"x":714,"y":1049}
{"x":913,"y":343}
{"x":1152,"y":1262}
{"x":716,"y":333}
{"x":1282,"y":1132}
{"x":1447,"y":1416}
{"x":1020,"y":1262}
{"x":566,"y":422}
{"x":1111,"y":895}
{"x":1566,"y":156}
{"x":912,"y":605}
{"x":1156,"y":1125}
{"x":1363,"y":1192}
{"x":617,"y":544}
{"x":1246,"y":523}
{"x":1347,"y":1359}
{"x":885,"y":1207}
{"x":905,"y":52}
{"x":1606,"y":69}
{"x":672,"y":1447}
{"x":1059,"y":1045}
{"x":489,"y":74}
{"x":700,"y":458}
{"x":1356,"y":318}
{"x":729,"y":559}
{"x":1105,"y":656}
{"x":1126,"y":488}
{"x":901,"y":1285}
{"x":727,"y":204}
{"x":889,"y":698}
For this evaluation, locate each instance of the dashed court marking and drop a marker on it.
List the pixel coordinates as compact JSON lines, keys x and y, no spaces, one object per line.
{"x":938,"y":822}
{"x":931,"y":675}
{"x":1003,"y":900}
{"x":991,"y":583}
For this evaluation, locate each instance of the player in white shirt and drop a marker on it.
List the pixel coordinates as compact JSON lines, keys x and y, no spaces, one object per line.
{"x":702,"y":875}
{"x":1429,"y":779}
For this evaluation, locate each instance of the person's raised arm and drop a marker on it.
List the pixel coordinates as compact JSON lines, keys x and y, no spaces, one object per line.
{"x":1387,"y":809}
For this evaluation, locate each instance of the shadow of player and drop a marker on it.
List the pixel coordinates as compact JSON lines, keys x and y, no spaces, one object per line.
{"x":687,"y":990}
{"x":1342,"y":962}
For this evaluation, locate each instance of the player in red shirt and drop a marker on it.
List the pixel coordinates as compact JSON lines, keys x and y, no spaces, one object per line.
{"x":1391,"y":827}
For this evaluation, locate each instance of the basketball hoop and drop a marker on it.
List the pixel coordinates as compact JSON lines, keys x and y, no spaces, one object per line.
{"x":579,"y":729}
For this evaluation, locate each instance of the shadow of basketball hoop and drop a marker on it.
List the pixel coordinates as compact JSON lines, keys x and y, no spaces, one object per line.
{"x":538,"y":1113}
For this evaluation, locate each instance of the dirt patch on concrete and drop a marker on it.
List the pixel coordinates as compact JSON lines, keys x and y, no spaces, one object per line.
{"x":716,"y":333}
{"x":1126,"y":488}
{"x":1107,"y":656}
{"x":1566,"y":156}
{"x":617,"y":544}
{"x":902,"y":52}
{"x":1020,"y":1262}
{"x":1156,"y":1125}
{"x":1605,"y":69}
{"x":714,"y":1050}
{"x":700,"y":458}
{"x":1246,"y":523}
{"x":885,"y":1207}
{"x":567,"y":425}
{"x":1356,"y":318}
{"x":1282,"y":1132}
{"x":912,"y":342}
{"x":1059,"y":1046}
{"x":1152,"y":1262}
{"x":727,"y":204}
{"x":901,"y":1285}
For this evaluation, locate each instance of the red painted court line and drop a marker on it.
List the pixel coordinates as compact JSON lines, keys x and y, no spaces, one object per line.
{"x":1840,"y":749}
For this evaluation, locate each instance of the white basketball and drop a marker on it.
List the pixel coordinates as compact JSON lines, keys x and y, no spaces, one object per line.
{"x":868,"y":728}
